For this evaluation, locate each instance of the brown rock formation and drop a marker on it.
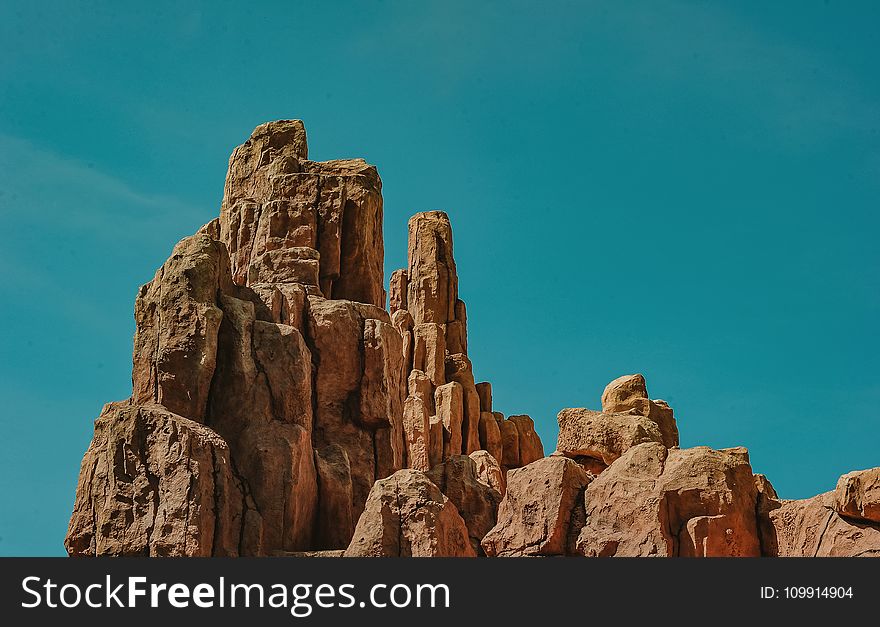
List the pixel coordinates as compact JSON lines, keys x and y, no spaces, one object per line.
{"x":278,"y":409}
{"x":406,"y":515}
{"x":237,"y":339}
{"x":476,"y":501}
{"x":600,"y":436}
{"x":630,"y":394}
{"x":680,"y":502}
{"x":857,"y":495}
{"x":433,"y":324}
{"x":489,"y":470}
{"x":155,"y":483}
{"x":812,"y":528}
{"x":535,"y":514}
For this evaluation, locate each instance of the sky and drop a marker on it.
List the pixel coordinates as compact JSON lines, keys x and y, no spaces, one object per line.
{"x":683,"y":189}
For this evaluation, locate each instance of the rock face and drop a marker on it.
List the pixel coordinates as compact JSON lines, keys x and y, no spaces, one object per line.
{"x":278,"y":408}
{"x":160,"y":484}
{"x":812,"y":528}
{"x":442,"y":390}
{"x":270,"y":387}
{"x":476,"y":500}
{"x":600,"y":436}
{"x":857,"y":495}
{"x":535,"y":515}
{"x":408,"y":516}
{"x":630,"y":394}
{"x":653,"y":501}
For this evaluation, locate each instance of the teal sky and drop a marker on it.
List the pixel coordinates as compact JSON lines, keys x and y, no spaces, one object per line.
{"x":683,"y":189}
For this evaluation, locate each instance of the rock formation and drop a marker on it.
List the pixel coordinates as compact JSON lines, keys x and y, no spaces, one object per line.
{"x":271,"y":389}
{"x":278,"y":408}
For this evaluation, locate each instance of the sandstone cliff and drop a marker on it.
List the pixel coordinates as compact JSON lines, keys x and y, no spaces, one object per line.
{"x":278,"y":408}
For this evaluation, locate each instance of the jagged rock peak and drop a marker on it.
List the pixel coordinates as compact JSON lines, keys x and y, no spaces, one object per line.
{"x":278,"y":408}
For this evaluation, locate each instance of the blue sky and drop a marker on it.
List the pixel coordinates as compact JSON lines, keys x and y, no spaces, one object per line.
{"x":683,"y":189}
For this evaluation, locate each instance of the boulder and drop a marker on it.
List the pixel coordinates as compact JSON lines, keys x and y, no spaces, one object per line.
{"x":476,"y":501}
{"x":602,"y":436}
{"x":812,"y":528}
{"x":667,"y":503}
{"x":857,"y":495}
{"x":489,"y":470}
{"x":153,"y":483}
{"x":406,"y":515}
{"x":535,"y":514}
{"x":630,"y":394}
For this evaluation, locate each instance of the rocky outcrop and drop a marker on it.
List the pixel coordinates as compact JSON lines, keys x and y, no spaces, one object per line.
{"x":535,"y":515}
{"x":278,"y":408}
{"x":476,"y":500}
{"x":489,"y":471}
{"x":857,"y":495}
{"x":442,"y":390}
{"x":157,"y":484}
{"x":270,"y":387}
{"x":630,"y":394}
{"x":812,"y":528}
{"x":407,"y":515}
{"x":602,"y":437}
{"x":655,"y":501}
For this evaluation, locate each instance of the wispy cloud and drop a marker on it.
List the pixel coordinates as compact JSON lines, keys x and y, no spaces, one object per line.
{"x":62,"y":220}
{"x":52,"y":190}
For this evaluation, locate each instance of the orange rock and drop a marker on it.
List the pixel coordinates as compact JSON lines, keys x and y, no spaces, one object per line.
{"x":335,"y":522}
{"x":435,"y":441}
{"x":476,"y":501}
{"x":812,"y":528}
{"x":449,"y":401}
{"x":509,"y":443}
{"x":429,"y":351}
{"x":680,"y":502}
{"x":489,"y":471}
{"x":767,"y":501}
{"x":857,"y":495}
{"x":407,"y":515}
{"x":159,"y":484}
{"x":490,"y":435}
{"x":484,"y":391}
{"x":587,"y":433}
{"x":177,"y":319}
{"x":285,"y":218}
{"x":433,"y":281}
{"x":630,"y":394}
{"x":530,"y":447}
{"x":416,"y":426}
{"x":535,"y":513}
{"x":397,"y":291}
